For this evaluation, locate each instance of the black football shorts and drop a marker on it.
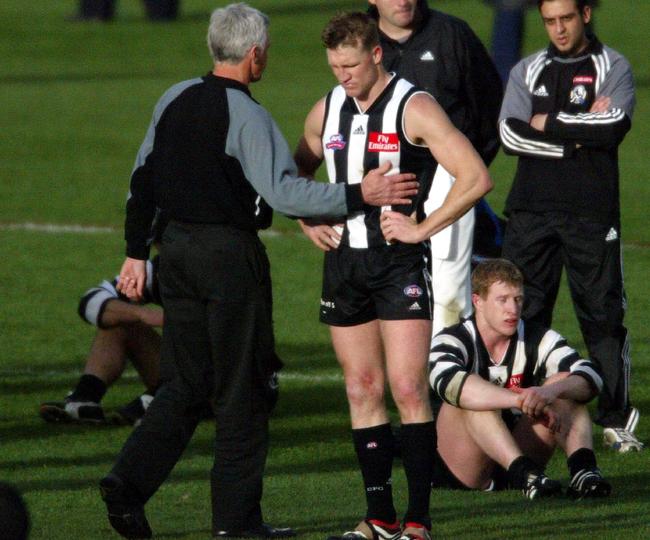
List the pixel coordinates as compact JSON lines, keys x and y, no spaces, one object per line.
{"x":389,"y":282}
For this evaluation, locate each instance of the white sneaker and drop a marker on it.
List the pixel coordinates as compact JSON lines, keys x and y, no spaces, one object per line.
{"x":622,"y":439}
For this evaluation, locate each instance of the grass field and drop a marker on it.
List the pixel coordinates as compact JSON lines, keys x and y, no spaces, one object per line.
{"x":75,"y":100}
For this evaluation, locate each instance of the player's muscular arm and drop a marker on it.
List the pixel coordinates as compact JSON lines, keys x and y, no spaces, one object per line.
{"x":426,"y":123}
{"x":308,"y":157}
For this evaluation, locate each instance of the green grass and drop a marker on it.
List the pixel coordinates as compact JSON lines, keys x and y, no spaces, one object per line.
{"x":76,"y":99}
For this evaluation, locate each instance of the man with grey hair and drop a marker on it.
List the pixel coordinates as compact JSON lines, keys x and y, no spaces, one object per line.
{"x":215,"y":163}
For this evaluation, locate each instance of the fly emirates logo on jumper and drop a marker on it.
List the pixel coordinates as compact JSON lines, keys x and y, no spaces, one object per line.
{"x":383,"y":142}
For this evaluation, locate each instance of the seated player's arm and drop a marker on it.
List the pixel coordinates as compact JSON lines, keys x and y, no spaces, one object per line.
{"x":427,"y":124}
{"x":118,"y":312}
{"x":477,"y":394}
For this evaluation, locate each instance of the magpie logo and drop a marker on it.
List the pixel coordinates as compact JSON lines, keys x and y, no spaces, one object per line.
{"x":427,"y":56}
{"x":611,"y":235}
{"x":541,"y":91}
{"x":359,"y":131}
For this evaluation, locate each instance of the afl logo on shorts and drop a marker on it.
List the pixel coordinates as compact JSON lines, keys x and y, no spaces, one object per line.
{"x":413,"y":291}
{"x":336,"y":142}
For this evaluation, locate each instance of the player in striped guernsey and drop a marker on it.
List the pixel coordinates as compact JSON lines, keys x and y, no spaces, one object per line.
{"x":566,"y":110}
{"x":375,"y":286}
{"x":512,"y":392}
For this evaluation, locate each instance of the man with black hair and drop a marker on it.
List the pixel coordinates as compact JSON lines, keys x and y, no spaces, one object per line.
{"x":566,"y":110}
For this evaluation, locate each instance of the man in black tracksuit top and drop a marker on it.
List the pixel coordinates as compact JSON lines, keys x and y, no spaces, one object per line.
{"x":210,"y":153}
{"x":442,"y":55}
{"x":566,"y":110}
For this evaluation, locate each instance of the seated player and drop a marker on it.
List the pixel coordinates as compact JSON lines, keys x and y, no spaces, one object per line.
{"x":512,"y":392}
{"x":125,"y":331}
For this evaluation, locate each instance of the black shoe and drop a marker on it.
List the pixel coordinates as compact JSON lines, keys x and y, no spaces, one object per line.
{"x":263,"y":531}
{"x":130,"y":414}
{"x":588,"y":483}
{"x":126,"y":517}
{"x":539,"y":485}
{"x":72,"y":411}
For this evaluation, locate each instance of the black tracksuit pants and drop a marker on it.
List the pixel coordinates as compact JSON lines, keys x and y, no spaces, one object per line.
{"x":541,"y":244}
{"x":217,"y":346}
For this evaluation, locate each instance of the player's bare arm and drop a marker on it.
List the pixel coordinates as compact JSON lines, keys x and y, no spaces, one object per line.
{"x":427,"y":124}
{"x":308,"y":157}
{"x":481,"y":395}
{"x":117,"y":312}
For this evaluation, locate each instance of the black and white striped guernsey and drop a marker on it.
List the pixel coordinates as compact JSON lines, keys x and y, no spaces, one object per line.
{"x":534,"y":354}
{"x":356,"y":141}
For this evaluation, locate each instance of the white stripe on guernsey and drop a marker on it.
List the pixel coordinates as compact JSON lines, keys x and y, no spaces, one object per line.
{"x":527,"y":146}
{"x":452,"y":341}
{"x":332,"y":126}
{"x":556,"y":356}
{"x":519,"y":361}
{"x":389,"y":125}
{"x":103,"y":293}
{"x":584,"y":367}
{"x":546,"y":346}
{"x":609,"y":117}
{"x":356,"y":152}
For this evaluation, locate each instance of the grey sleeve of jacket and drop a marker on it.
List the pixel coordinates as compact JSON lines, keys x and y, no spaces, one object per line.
{"x":255,"y":140}
{"x":517,"y":136}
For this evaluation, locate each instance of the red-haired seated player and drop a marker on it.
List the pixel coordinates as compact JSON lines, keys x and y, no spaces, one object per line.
{"x":512,"y":393}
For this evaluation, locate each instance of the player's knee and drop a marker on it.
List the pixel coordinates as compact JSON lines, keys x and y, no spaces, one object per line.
{"x":364,"y":388}
{"x":409,"y":393}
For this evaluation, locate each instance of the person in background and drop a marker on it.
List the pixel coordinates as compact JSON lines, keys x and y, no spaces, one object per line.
{"x":104,"y":10}
{"x":566,"y":110}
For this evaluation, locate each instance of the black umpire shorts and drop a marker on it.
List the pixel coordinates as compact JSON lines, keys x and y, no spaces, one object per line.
{"x":388,"y":282}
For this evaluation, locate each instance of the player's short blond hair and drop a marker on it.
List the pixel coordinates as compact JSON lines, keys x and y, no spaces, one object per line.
{"x":351,"y":29}
{"x":491,"y":271}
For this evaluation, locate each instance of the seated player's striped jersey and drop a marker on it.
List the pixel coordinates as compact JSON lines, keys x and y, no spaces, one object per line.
{"x":534,"y":354}
{"x":93,"y":301}
{"x":356,"y":141}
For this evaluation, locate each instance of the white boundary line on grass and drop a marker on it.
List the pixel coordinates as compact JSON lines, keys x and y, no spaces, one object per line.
{"x":57,"y":228}
{"x":38,"y":374}
{"x":73,"y":228}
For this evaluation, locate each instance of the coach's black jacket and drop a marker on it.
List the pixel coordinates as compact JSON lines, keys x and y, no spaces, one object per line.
{"x":445,"y":57}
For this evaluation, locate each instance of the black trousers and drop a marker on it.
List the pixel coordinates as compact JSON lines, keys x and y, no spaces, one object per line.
{"x":541,"y":244}
{"x":218,"y":346}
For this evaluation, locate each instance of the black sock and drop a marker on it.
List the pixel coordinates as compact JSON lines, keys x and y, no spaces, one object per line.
{"x":89,"y":388}
{"x":518,"y":471}
{"x":375,"y":448}
{"x":418,"y":454}
{"x":583,"y":458}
